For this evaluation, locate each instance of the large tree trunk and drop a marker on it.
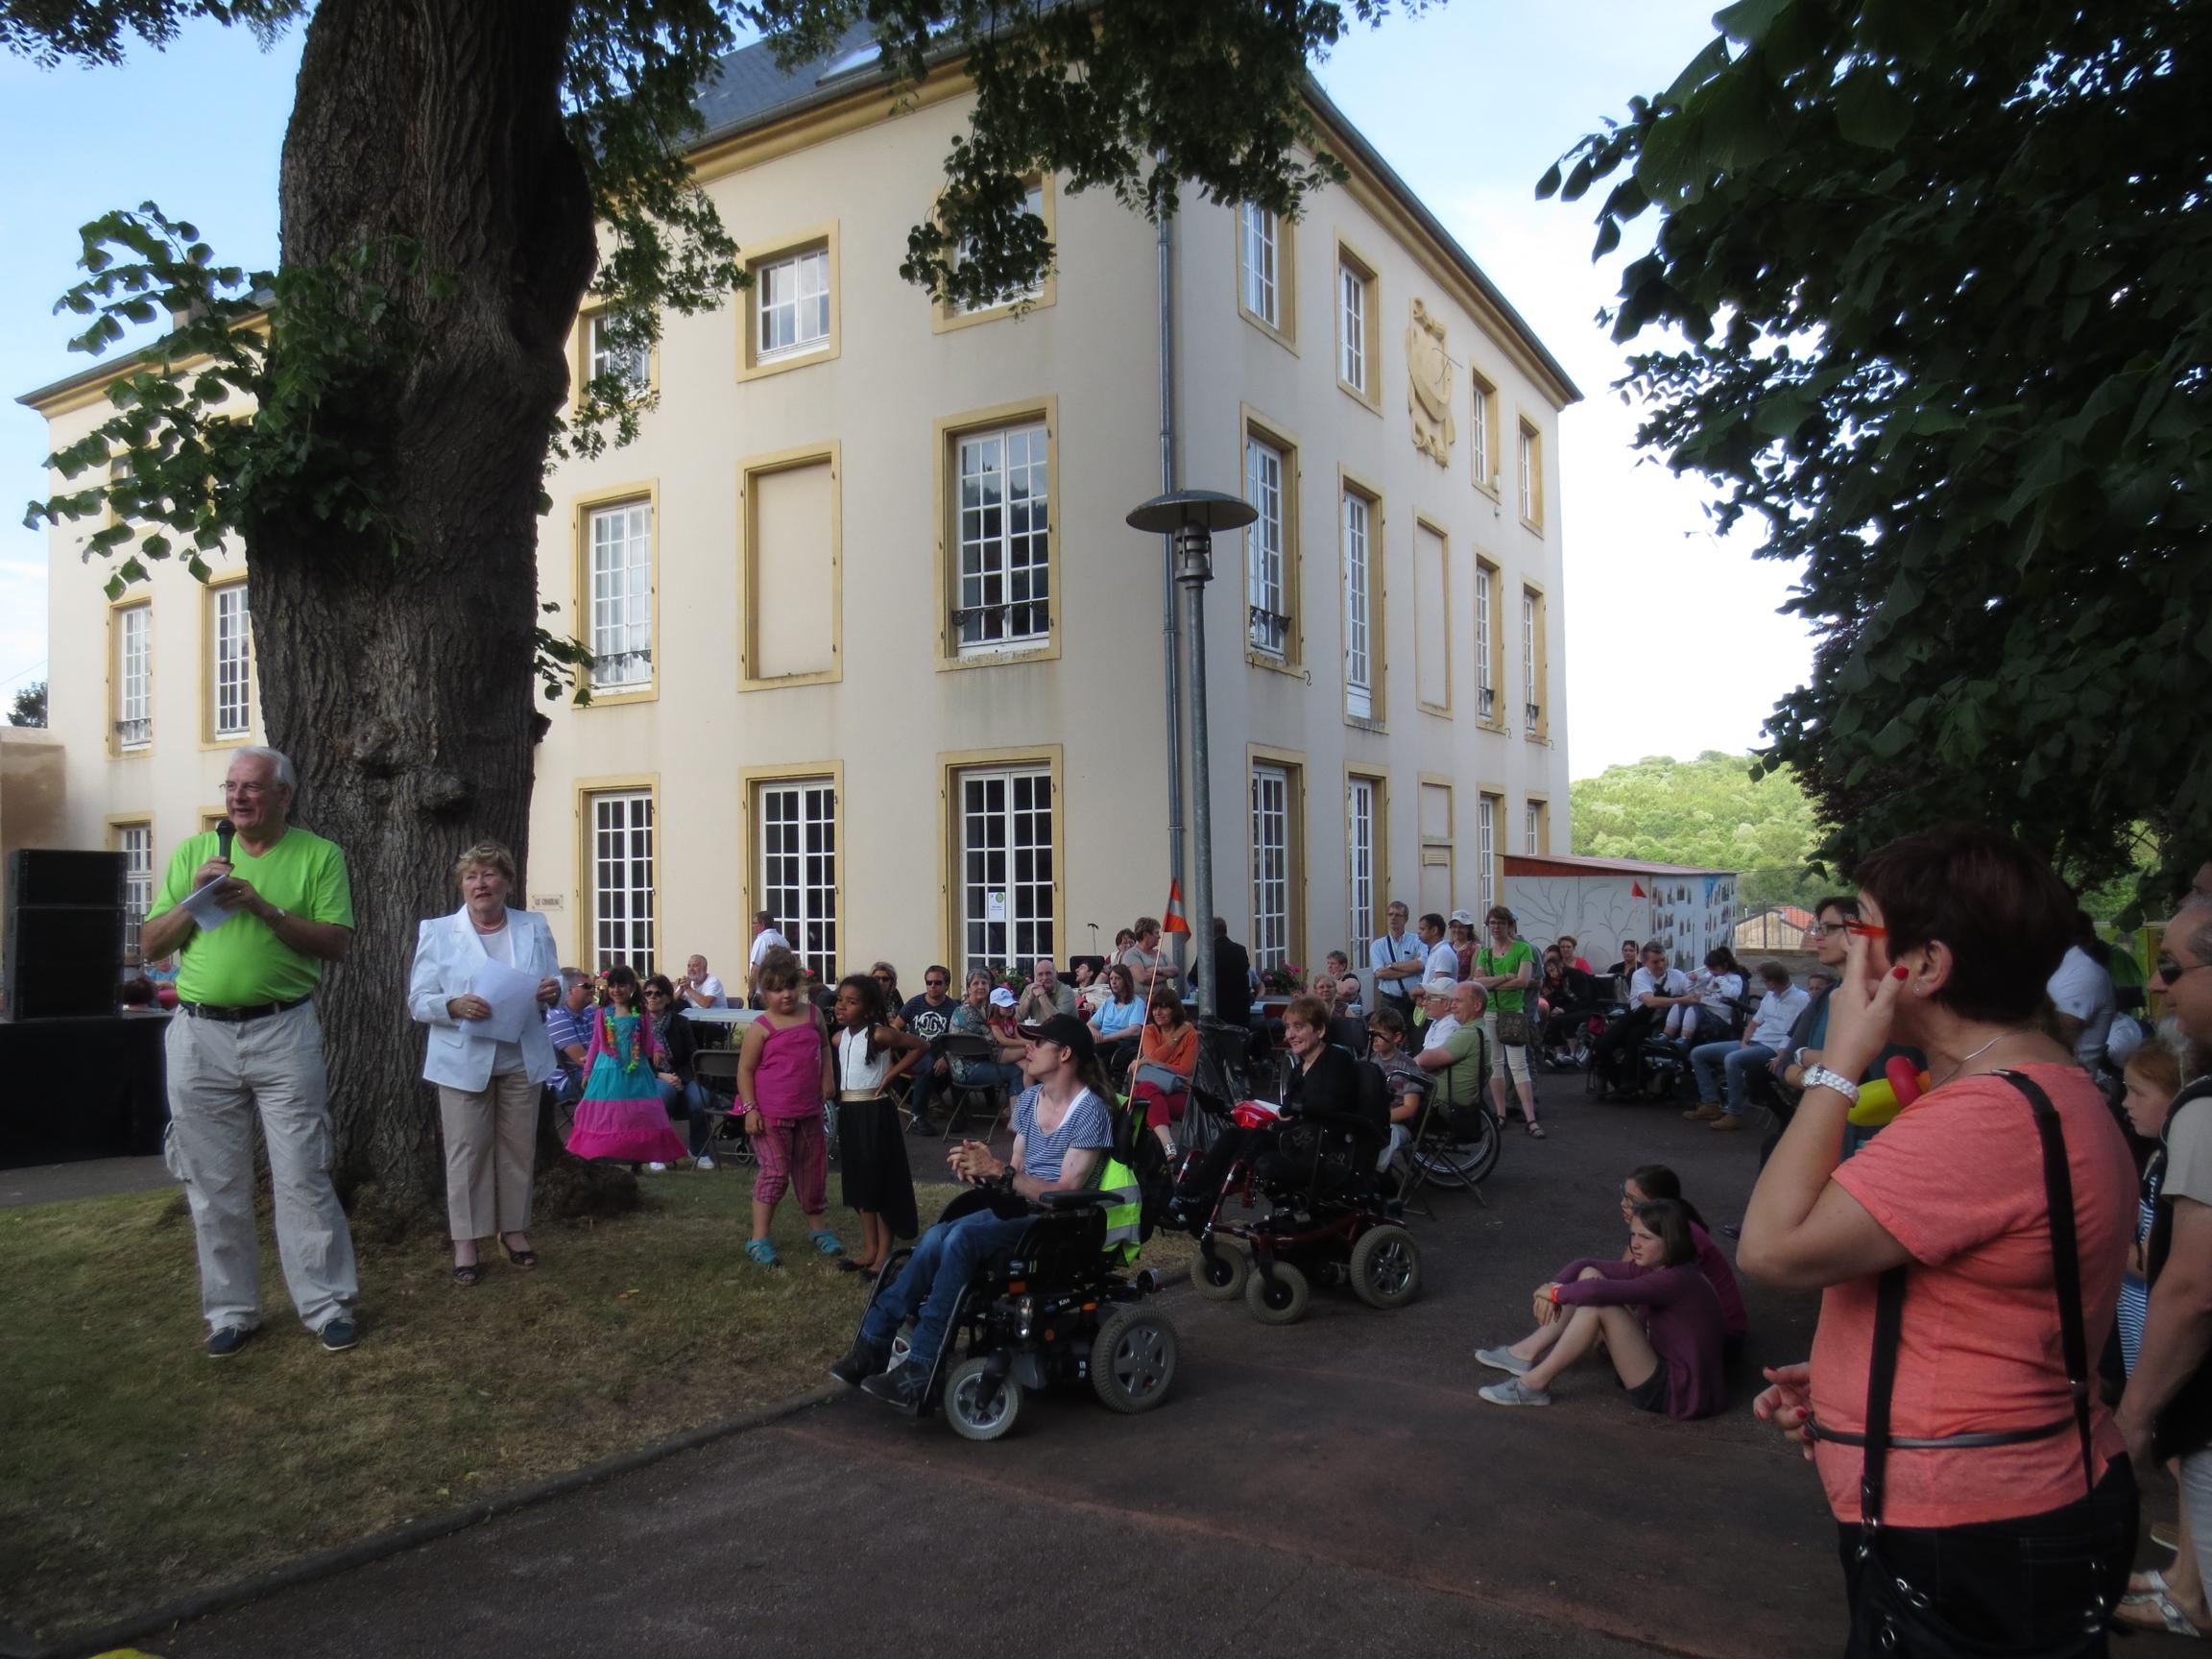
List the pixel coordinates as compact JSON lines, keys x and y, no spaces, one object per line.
{"x":399,"y":677}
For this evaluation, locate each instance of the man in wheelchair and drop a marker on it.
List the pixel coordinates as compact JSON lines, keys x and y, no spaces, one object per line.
{"x":1062,"y":1129}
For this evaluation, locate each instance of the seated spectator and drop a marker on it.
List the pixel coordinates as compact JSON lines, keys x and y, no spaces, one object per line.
{"x":1167,"y":1055}
{"x":1657,"y":1181}
{"x":682,"y":1096}
{"x":886,"y":980}
{"x":568,"y":1027}
{"x":929,"y":1016}
{"x":1409,"y":1085}
{"x":1711,"y":1009}
{"x":1346,"y":1003}
{"x":1655,"y":988}
{"x":1742,"y":1062}
{"x":1046,"y":995}
{"x":1434,"y":1019}
{"x":1656,"y":1314}
{"x":1457,"y":1049}
{"x":1091,"y":988}
{"x":700,"y":989}
{"x":1144,"y":957}
{"x":1566,"y":997}
{"x":1624,"y":971}
{"x":1571,"y":954}
{"x":1120,"y":1021}
{"x":974,"y":1018}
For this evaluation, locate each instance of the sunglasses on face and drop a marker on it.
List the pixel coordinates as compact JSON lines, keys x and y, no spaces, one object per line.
{"x":2169,"y":970}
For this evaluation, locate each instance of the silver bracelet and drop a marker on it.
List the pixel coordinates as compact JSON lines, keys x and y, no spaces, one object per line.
{"x":1821,"y":1077}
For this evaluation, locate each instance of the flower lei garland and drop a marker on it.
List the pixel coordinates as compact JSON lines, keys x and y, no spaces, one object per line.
{"x":624,"y":1049}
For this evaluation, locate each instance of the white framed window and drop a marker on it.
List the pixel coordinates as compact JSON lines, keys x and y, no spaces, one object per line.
{"x":1533,"y":703}
{"x":796,"y":829}
{"x":232,"y":668}
{"x":1005,"y":538}
{"x":1478,"y":435}
{"x":1532,"y":828}
{"x":1260,"y":240}
{"x":1268,"y":599}
{"x":622,"y":899}
{"x":1351,"y":328}
{"x":621,"y":582}
{"x":1270,"y":866}
{"x":1486,"y":853}
{"x":135,"y":676}
{"x":791,"y":303}
{"x":1531,"y":476}
{"x":135,"y":842}
{"x":1009,"y":893}
{"x":1359,"y":609}
{"x":1485,"y":671}
{"x":627,"y":363}
{"x":1359,"y":864}
{"x":1032,"y":203}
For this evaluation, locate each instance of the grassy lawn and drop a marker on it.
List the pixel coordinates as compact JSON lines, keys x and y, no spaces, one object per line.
{"x":133,"y":1469}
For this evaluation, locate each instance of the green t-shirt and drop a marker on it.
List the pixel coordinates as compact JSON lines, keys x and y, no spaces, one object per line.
{"x":242,"y":961}
{"x":1489,"y":964}
{"x":1470,"y":1050}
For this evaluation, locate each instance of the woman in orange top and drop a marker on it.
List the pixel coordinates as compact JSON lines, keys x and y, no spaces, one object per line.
{"x":1166,"y":1054}
{"x":2004,"y":1526}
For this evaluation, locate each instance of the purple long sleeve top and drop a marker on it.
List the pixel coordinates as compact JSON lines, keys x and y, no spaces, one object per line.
{"x":1680,"y":1313}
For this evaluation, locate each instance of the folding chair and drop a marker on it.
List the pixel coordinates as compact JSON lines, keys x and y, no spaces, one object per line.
{"x":727,"y":1142}
{"x":1438,"y":1154}
{"x":964,"y":1098}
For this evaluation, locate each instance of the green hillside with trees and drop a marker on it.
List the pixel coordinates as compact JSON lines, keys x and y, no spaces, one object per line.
{"x":1709,"y":812}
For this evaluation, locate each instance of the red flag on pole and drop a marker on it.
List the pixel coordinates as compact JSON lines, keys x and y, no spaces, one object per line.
{"x":1173,"y":922}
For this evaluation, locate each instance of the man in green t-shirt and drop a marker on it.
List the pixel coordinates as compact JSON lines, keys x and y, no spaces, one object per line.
{"x":1463,"y":1052}
{"x":245,"y":1040}
{"x":1506,"y":967}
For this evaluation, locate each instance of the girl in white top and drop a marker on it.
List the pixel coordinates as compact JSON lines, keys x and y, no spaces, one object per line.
{"x":871,"y":1150}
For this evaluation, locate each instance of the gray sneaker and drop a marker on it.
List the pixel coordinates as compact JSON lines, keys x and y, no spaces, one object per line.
{"x":1504,"y":1359}
{"x":1514,"y":1392}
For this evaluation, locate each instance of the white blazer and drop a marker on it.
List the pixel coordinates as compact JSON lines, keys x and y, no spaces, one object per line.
{"x":447,"y":952}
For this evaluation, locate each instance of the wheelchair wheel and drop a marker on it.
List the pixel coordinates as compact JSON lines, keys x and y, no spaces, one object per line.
{"x":1386,"y":1267}
{"x":979,"y":1406}
{"x":1132,"y":1359}
{"x":1455,"y":1165}
{"x":1280,"y":1302}
{"x":1221,"y":1278}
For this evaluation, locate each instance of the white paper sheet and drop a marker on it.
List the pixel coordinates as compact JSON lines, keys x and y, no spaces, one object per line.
{"x":513,"y":997}
{"x":205,"y":909}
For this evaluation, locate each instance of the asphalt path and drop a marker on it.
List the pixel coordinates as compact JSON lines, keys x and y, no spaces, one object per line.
{"x":1324,"y":1488}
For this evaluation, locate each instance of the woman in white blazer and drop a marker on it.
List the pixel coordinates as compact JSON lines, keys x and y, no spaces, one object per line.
{"x":487,"y":1089}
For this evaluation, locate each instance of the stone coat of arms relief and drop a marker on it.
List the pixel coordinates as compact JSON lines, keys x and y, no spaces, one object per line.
{"x":1428,"y":389}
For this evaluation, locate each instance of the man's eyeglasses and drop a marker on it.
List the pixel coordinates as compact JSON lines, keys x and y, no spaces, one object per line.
{"x":2169,"y":970}
{"x":231,"y":788}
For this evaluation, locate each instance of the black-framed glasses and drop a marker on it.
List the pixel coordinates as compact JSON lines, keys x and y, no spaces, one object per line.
{"x":2169,"y":970}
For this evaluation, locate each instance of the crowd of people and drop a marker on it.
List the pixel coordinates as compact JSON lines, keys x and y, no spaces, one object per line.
{"x":2042,"y":1198}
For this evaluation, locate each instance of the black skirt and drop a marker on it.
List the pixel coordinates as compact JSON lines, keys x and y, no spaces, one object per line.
{"x":872,"y":1156}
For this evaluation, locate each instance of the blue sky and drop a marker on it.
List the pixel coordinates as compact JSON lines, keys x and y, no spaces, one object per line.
{"x":1470,"y":103}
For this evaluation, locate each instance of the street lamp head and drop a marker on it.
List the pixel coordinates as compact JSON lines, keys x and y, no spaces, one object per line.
{"x":1192,"y":517}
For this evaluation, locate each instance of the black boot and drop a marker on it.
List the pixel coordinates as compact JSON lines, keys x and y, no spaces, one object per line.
{"x":862,"y":1361}
{"x":902,"y":1387}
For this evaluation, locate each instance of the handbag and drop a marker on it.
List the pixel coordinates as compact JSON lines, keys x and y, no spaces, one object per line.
{"x":1896,"y":1617}
{"x":1513,"y":1028}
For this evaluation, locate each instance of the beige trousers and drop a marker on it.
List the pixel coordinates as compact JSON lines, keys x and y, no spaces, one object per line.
{"x":491,"y":1146}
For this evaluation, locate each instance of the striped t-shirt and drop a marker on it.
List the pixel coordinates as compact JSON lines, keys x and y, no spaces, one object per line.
{"x":1086,"y":1124}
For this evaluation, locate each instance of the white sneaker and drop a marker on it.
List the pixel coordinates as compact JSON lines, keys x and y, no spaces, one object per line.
{"x":703,"y":1162}
{"x":1504,"y":1359}
{"x":1514,"y":1392}
{"x":656,"y":1168}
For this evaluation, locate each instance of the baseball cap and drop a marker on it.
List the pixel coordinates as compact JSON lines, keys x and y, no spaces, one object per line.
{"x":1439,"y":986}
{"x":1003,"y":998}
{"x":1067,"y":1031}
{"x":1462,"y":918}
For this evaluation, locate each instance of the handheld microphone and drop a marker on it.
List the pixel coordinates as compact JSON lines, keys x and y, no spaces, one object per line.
{"x":224,"y":831}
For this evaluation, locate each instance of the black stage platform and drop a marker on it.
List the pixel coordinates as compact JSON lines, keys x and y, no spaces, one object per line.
{"x":73,"y":1089}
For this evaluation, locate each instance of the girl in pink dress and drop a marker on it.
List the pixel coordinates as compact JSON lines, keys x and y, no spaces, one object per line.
{"x":620,"y":1116}
{"x":784,"y":1074}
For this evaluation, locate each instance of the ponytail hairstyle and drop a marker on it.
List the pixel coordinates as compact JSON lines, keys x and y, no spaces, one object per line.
{"x":1657,"y":1181}
{"x":871,"y":995}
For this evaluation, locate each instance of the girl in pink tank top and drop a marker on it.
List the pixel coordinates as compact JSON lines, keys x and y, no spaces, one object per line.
{"x":783,"y":1076}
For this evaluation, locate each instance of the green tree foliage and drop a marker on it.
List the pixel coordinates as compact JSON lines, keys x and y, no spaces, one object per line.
{"x":29,"y":707}
{"x":1714,"y":812}
{"x":1932,"y":299}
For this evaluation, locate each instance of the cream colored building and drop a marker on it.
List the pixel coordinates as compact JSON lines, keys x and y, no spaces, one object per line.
{"x":875,"y":649}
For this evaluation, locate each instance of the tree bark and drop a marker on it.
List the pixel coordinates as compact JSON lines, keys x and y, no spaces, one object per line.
{"x":398,"y":673}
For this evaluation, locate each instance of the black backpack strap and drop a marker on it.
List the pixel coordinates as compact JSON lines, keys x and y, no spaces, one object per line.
{"x":1881,"y":1379}
{"x":2065,"y":1261}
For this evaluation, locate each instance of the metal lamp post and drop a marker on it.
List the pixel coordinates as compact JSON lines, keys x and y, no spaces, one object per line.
{"x":1190,"y":517}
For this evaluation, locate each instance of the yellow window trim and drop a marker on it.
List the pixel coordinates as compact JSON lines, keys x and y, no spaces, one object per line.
{"x":1293,"y":763}
{"x":1349,"y":255}
{"x":1351,"y":483}
{"x":750,"y":366}
{"x":580,"y":357}
{"x":583,"y":789}
{"x":581,"y":508}
{"x":1422,"y":521}
{"x":207,"y":738}
{"x":748,"y":574}
{"x":949,"y":764}
{"x":112,"y":675}
{"x":1286,"y":332}
{"x":750,"y":780}
{"x":1251,"y":424}
{"x":945,"y":319}
{"x":1380,"y":781}
{"x":945,"y":434}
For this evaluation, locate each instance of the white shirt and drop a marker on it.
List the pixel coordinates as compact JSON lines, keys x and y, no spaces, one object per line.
{"x":1778,"y":1012}
{"x":1673,"y":982}
{"x":1442,"y":963}
{"x":711,"y":988}
{"x":765,"y":941}
{"x":1433,"y":1034}
{"x":2084,"y":989}
{"x":1384,"y":950}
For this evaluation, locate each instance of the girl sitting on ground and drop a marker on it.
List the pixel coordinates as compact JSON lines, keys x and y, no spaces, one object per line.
{"x":871,"y":1151}
{"x":1657,"y":1181}
{"x":785,"y":1072}
{"x":1656,"y":1314}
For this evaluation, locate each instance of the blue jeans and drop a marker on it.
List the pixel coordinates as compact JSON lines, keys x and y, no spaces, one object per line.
{"x":1710,"y":1059}
{"x":695,"y":1106}
{"x":941,"y":1267}
{"x":995,"y":1075}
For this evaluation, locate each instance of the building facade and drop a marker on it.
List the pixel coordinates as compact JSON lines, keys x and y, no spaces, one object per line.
{"x":873,"y":649}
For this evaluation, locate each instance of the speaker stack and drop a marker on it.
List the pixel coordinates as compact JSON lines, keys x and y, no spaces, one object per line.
{"x":65,"y":945}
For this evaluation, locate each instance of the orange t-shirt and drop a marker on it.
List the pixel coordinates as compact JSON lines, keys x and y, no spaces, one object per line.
{"x":1957,"y":1180}
{"x":1178,"y":1053}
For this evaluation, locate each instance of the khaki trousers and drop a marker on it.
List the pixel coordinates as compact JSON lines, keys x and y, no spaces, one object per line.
{"x":221,"y":1076}
{"x":491,"y":1150}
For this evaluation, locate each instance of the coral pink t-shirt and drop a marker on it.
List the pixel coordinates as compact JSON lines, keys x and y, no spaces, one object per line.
{"x":1957,"y":1180}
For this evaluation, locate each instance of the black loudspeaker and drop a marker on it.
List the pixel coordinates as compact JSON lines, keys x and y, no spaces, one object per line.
{"x":64,"y":956}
